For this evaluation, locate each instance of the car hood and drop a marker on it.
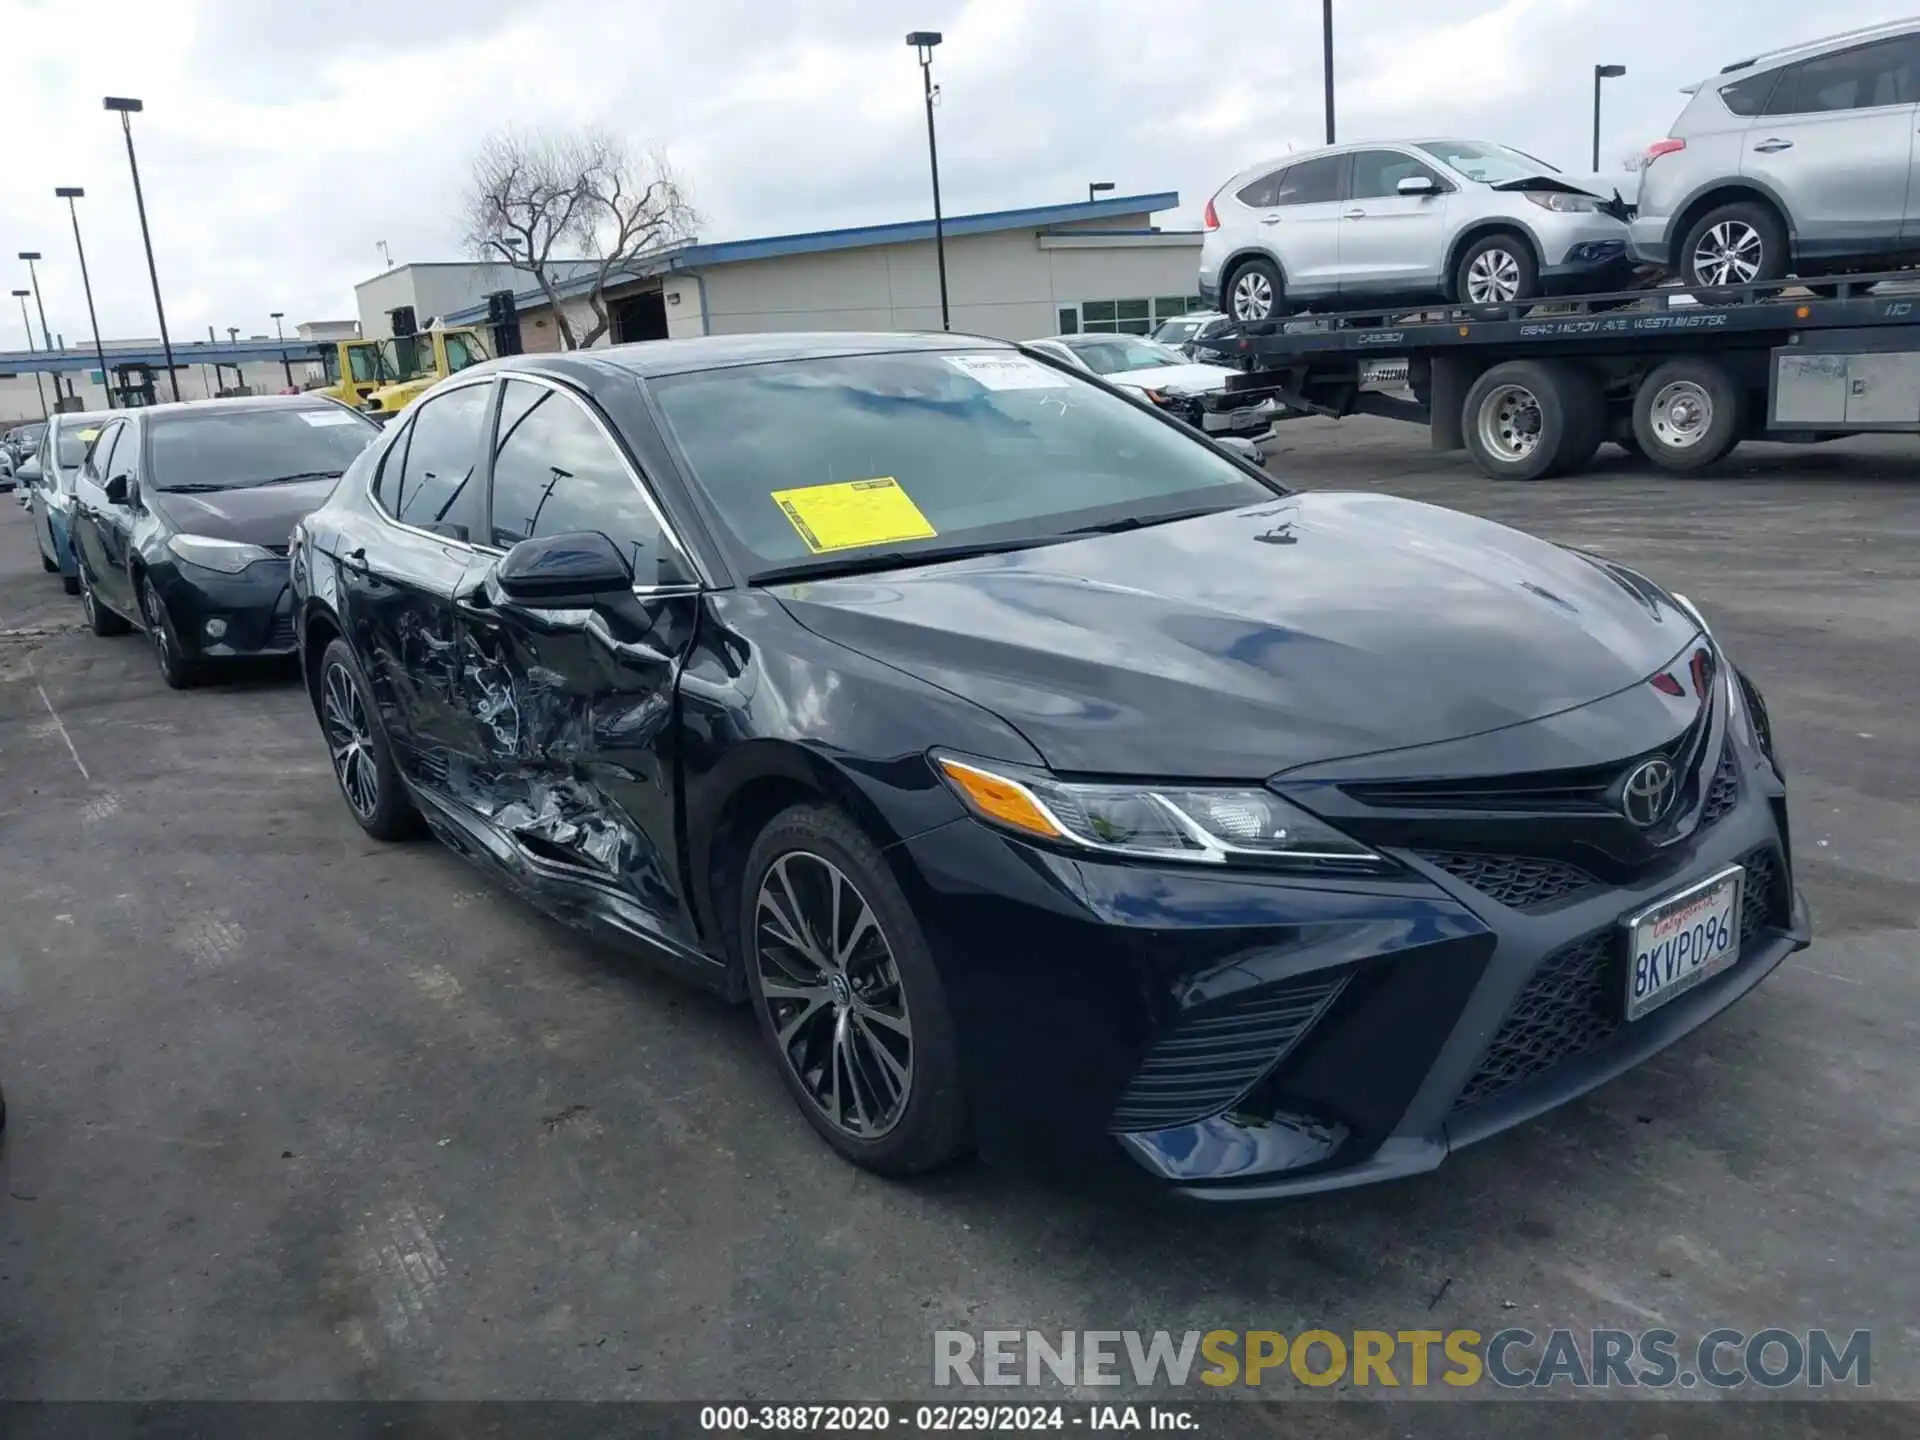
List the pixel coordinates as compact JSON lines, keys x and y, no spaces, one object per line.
{"x":1620,"y":192}
{"x":1235,"y":646}
{"x":1177,"y":379}
{"x":264,"y":515}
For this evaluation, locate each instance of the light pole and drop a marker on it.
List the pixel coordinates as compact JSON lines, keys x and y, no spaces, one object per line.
{"x":125,"y":108}
{"x":33,"y":278}
{"x":281,"y":336}
{"x":1601,"y":72}
{"x":27,"y":325}
{"x":71,"y":193}
{"x":1326,"y":59}
{"x":1096,"y":187}
{"x":923,"y":41}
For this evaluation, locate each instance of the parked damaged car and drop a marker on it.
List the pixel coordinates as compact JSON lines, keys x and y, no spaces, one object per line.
{"x":1050,"y":782}
{"x":183,"y":515}
{"x":1194,"y":392}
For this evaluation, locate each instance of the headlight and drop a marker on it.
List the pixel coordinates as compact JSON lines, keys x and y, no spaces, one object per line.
{"x":211,"y":554}
{"x":1212,"y":826}
{"x":1560,"y":200}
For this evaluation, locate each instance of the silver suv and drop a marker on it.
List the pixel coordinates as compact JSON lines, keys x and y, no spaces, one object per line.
{"x":1798,"y":162}
{"x":1351,"y":225}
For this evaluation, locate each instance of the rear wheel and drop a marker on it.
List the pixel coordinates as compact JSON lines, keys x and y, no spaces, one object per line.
{"x":1744,"y":243}
{"x":1526,"y":419}
{"x":101,"y":620}
{"x":357,"y":746}
{"x":848,"y":996}
{"x":1255,"y":291}
{"x":1686,"y":414}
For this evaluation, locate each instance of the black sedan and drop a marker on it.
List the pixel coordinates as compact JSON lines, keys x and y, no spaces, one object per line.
{"x":1049,"y":780}
{"x":183,"y":515}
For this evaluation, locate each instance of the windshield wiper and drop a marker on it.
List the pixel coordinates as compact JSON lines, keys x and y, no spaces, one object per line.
{"x":191,"y":489}
{"x":1135,"y":522}
{"x":300,"y":475}
{"x":891,"y":560}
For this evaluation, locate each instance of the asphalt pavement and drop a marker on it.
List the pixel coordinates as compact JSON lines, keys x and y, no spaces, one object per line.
{"x":295,"y":1114}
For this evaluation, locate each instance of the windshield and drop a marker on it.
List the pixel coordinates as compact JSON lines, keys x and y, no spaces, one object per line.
{"x":406,"y":358}
{"x":227,"y":450}
{"x":365,"y":363}
{"x":1125,"y":352}
{"x":463,"y":350}
{"x":1174,"y":331}
{"x":864,"y":454}
{"x":1489,"y":164}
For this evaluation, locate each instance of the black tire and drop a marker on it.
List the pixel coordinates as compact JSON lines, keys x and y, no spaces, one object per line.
{"x":1521,"y":417}
{"x":1509,"y":263}
{"x":175,"y":668}
{"x":890,"y":968}
{"x":1263,"y":282}
{"x":69,"y":583}
{"x":100,"y":619}
{"x":1750,"y":236}
{"x":386,"y":813}
{"x":1687,"y":415}
{"x":52,"y":567}
{"x":1586,"y":427}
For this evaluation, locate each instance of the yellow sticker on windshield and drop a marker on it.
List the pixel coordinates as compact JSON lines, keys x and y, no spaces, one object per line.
{"x":89,"y":434}
{"x":852,"y":514}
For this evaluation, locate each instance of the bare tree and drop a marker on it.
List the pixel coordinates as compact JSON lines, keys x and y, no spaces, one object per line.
{"x":537,"y":198}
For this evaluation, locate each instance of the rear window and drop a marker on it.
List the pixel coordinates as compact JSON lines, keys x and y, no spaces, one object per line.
{"x":75,"y":441}
{"x":1749,"y":96}
{"x":236,"y":448}
{"x":867,"y":452}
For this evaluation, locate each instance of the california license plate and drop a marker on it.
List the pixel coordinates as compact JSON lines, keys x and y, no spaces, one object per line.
{"x":1683,"y":940}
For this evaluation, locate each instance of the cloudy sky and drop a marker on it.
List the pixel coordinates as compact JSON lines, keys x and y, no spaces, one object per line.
{"x":282,"y":142}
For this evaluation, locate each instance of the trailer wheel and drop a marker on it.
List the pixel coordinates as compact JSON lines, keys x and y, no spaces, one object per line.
{"x":1523,"y":419}
{"x":1687,"y":414}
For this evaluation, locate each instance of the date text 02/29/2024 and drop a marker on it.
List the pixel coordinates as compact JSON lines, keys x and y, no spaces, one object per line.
{"x":962,"y":1418}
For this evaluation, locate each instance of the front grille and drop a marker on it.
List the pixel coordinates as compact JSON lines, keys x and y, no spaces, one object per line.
{"x":1517,"y":881}
{"x":1211,"y":1059}
{"x":1724,"y":791}
{"x":1572,"y":1003}
{"x":282,"y":632}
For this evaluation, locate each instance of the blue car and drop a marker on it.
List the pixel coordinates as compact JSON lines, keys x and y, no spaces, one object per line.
{"x":49,"y":476}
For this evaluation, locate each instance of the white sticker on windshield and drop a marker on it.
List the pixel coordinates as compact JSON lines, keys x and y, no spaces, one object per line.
{"x":1008,"y":372}
{"x":327,"y":417}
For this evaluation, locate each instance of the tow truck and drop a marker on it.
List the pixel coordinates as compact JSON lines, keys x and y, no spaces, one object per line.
{"x":1533,"y":389}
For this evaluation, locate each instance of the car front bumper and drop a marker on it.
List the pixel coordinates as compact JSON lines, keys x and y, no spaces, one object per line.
{"x":1249,"y":1036}
{"x":252,"y":612}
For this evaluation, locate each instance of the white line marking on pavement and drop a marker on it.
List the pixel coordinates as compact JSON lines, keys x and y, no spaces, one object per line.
{"x":61,"y":725}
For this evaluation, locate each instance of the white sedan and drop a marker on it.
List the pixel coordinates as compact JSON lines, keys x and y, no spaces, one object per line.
{"x":1191,"y":390}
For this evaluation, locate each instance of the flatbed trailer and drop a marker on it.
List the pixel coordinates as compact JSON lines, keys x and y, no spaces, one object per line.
{"x":1534,"y":389}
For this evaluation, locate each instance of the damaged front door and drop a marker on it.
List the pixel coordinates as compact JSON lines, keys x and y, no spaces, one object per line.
{"x":573,"y":702}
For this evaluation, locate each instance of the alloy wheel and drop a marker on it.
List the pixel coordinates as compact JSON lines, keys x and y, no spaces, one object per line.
{"x":1252,"y":296}
{"x":1681,"y":414}
{"x":1493,"y":277}
{"x":343,"y":718}
{"x":832,"y":990}
{"x":1509,"y":423}
{"x":1730,"y":253}
{"x":154,"y":614}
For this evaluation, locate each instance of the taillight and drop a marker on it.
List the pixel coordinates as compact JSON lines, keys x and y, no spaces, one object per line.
{"x":1664,"y":147}
{"x":1210,"y":217}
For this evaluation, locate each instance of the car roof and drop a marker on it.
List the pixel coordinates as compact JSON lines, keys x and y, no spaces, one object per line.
{"x":229,"y":404}
{"x":1768,"y":59}
{"x":1378,"y":142}
{"x":647,"y":359}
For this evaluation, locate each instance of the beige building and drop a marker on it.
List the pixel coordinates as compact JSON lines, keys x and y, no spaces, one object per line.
{"x":1013,"y":274}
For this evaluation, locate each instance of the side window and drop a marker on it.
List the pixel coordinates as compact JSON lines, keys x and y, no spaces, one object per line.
{"x":1261,"y":192}
{"x":1378,"y":173}
{"x":1312,"y":181}
{"x":554,"y":473}
{"x":427,"y":471}
{"x":1749,"y":96}
{"x":462,"y":352}
{"x":100,"y":458}
{"x":1883,"y":73}
{"x":364,"y":361}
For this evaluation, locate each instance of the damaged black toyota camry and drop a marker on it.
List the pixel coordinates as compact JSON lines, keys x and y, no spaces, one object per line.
{"x":1051,"y":782}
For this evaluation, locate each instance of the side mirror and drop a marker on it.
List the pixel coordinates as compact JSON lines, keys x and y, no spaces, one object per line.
{"x":117,"y":490}
{"x":1417,"y":185}
{"x":563,"y":572}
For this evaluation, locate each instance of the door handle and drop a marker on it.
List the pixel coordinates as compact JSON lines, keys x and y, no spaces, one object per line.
{"x":1269,"y":219}
{"x":1771,"y":147}
{"x":1355,"y":215}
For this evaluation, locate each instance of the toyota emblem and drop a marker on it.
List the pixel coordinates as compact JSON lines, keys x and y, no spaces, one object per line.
{"x":1647,"y":792}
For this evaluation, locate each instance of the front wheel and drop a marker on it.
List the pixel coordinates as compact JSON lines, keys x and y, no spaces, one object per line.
{"x":848,"y":996}
{"x":175,"y":668}
{"x":1496,"y":270}
{"x":1686,"y":415}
